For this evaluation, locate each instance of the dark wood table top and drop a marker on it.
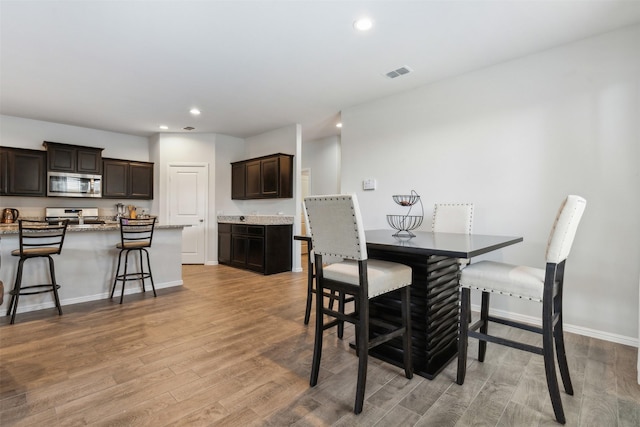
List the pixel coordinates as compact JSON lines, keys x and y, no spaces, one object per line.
{"x":452,"y":245}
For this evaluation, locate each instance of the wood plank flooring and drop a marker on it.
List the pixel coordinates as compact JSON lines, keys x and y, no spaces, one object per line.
{"x":229,"y":348}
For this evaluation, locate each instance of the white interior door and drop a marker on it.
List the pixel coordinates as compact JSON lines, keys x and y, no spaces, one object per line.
{"x":188,"y":190}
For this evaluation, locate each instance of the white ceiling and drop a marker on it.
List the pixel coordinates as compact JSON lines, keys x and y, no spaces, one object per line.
{"x":253,"y":66}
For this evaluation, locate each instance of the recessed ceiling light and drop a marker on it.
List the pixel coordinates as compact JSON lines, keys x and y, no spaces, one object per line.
{"x":339,"y":125}
{"x":188,"y":128}
{"x":163,"y":127}
{"x":363,"y":24}
{"x":195,"y":111}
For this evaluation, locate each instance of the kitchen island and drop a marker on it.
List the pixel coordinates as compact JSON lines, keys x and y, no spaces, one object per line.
{"x":87,"y":264}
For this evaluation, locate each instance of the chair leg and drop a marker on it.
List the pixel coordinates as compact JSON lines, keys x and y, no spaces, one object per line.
{"x":15,"y":295}
{"x":484,"y":327}
{"x":406,"y":338}
{"x":115,"y":279}
{"x":153,"y":286}
{"x":307,"y":311}
{"x":363,"y":353}
{"x":54,"y":284}
{"x":124,"y":276}
{"x":562,"y":358}
{"x":317,"y":346}
{"x":549,"y":364}
{"x":463,"y":331}
{"x":356,"y":326}
{"x":141,"y":270}
{"x":341,"y":304}
{"x":13,"y":292}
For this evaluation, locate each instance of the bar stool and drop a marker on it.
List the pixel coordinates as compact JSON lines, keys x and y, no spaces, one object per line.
{"x":337,"y":231}
{"x":135,"y":235}
{"x":37,"y":240}
{"x":544,"y":286}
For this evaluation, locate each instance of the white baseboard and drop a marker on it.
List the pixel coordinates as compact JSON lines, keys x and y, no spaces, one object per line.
{"x":606,"y":336}
{"x":211,"y":263}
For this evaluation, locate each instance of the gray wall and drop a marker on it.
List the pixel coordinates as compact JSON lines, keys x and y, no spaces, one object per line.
{"x":515,"y":139}
{"x":322,"y":158}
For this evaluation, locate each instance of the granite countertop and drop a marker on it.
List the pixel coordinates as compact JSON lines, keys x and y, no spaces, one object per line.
{"x":256,"y":219}
{"x":113,"y":226}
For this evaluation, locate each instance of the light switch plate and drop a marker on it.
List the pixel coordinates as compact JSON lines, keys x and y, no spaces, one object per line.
{"x":369,"y":184}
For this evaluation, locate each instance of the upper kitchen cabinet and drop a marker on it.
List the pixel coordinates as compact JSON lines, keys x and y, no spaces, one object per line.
{"x":23,"y":172}
{"x":74,"y":158}
{"x":238,"y":178}
{"x":267,"y":177}
{"x":141,"y":180}
{"x":124,"y":179}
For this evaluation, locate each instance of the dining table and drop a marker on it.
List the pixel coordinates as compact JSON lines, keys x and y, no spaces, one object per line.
{"x":434,"y":259}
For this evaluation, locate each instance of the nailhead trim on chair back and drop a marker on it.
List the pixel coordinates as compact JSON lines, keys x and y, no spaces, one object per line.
{"x":452,"y":218}
{"x":564,"y":228}
{"x":336,"y":226}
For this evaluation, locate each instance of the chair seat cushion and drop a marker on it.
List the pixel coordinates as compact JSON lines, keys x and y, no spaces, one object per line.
{"x":384,"y":276}
{"x":507,"y":279}
{"x":40,"y":251}
{"x":134,"y":245}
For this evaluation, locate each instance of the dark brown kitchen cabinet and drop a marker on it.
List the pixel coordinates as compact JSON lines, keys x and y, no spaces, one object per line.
{"x":265,"y":249}
{"x":238,"y":178}
{"x":247,"y":247}
{"x":253,"y":180}
{"x":141,"y":180}
{"x":224,"y":243}
{"x":125,"y":179}
{"x":265,"y":177}
{"x":74,"y":158}
{"x":4,"y":171}
{"x":23,"y":172}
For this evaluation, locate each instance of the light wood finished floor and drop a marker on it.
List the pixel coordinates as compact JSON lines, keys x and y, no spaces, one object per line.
{"x":230,"y":348}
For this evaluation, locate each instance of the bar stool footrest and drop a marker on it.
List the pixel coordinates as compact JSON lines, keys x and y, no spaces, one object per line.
{"x":22,"y":288}
{"x":133,"y":276}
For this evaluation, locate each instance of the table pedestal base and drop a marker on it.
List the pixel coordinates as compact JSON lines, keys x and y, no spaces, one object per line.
{"x":434,"y":312}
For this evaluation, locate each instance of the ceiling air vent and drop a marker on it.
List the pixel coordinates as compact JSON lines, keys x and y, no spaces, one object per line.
{"x":398,"y":72}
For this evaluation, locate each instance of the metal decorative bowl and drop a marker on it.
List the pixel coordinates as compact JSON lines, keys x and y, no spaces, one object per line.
{"x":406,"y":200}
{"x":404,"y":224}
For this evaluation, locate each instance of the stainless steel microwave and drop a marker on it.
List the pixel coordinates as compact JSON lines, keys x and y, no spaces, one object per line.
{"x":63,"y":184}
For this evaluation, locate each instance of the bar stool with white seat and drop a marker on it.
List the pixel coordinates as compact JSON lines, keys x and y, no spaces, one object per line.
{"x":337,"y":231}
{"x":311,"y":277}
{"x":135,"y":235}
{"x":38,"y":239}
{"x":535,"y":284}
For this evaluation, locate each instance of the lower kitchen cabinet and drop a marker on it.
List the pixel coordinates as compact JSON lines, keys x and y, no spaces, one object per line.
{"x":262,"y":248}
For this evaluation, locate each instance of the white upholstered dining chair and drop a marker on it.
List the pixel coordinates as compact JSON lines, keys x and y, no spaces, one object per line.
{"x":336,"y":230}
{"x":535,"y":284}
{"x":452,"y":218}
{"x":311,"y":277}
